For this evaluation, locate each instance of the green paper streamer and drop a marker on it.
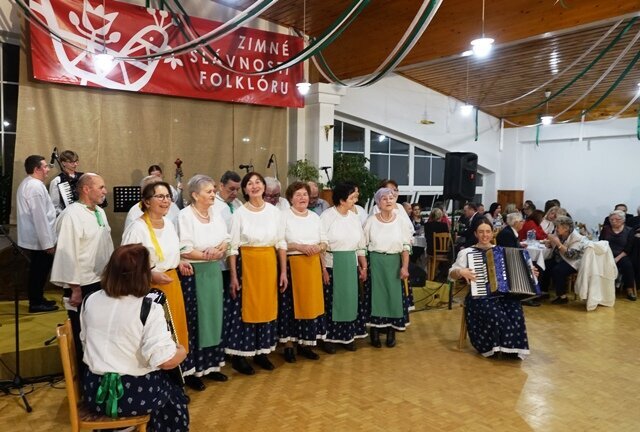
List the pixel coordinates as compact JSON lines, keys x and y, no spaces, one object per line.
{"x":109,"y":392}
{"x":476,"y":137}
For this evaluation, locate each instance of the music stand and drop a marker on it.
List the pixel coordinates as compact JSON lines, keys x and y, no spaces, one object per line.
{"x":18,"y":382}
{"x":125,"y":197}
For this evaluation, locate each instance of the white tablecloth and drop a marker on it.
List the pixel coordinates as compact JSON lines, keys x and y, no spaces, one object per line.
{"x":538,"y":253}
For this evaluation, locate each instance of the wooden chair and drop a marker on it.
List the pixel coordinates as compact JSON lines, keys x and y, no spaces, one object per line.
{"x":441,"y":247}
{"x":80,"y":416}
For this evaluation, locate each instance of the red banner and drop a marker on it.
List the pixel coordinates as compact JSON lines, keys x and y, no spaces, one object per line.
{"x":124,"y":30}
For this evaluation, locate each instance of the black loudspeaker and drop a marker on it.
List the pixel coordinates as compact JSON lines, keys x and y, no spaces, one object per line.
{"x":460,"y":171}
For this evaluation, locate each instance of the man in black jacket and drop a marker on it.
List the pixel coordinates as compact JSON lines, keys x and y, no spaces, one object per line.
{"x":470,"y":211}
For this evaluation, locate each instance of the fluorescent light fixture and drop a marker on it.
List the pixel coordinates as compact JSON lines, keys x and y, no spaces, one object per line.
{"x":466,"y":110}
{"x":103,"y":63}
{"x":467,"y":53}
{"x":482,"y":46}
{"x":303,"y":87}
{"x":546,"y":120}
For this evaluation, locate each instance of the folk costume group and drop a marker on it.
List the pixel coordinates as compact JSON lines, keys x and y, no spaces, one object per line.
{"x":237,"y":278}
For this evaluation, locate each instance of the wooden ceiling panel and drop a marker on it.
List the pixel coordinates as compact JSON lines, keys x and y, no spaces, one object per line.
{"x":527,"y":32}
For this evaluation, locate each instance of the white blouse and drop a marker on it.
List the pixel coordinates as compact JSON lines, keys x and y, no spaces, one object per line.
{"x":138,"y":232}
{"x":115,"y":340}
{"x":344,"y":233}
{"x":305,"y":230}
{"x":392,"y":237}
{"x":196,"y":235}
{"x":261,"y":228}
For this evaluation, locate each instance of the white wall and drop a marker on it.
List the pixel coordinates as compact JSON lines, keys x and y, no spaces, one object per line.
{"x":588,"y":177}
{"x":398,"y":104}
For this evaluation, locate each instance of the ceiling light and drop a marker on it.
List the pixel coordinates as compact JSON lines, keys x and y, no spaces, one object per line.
{"x":467,"y":53}
{"x":381,"y":138}
{"x":481,"y":46}
{"x":546,"y":120}
{"x":303,"y":87}
{"x":103,"y":63}
{"x":466,"y":110}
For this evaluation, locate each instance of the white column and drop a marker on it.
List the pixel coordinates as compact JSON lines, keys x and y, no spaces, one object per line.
{"x":319,"y":109}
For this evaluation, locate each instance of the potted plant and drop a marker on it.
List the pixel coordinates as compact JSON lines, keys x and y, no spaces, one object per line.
{"x":349,"y":166}
{"x":303,"y":170}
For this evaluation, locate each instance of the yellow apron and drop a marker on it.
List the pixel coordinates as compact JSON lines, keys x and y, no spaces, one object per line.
{"x":173,"y":291}
{"x":259,"y":284}
{"x":306,"y":283}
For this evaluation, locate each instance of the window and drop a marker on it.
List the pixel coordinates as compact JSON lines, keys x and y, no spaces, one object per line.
{"x":10,"y":61}
{"x":389,"y":158}
{"x":348,"y":138}
{"x":428,"y":168}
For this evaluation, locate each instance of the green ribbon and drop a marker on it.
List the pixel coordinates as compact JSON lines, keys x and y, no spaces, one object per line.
{"x":476,"y":137}
{"x":539,"y":122}
{"x":638,"y":127}
{"x":109,"y":392}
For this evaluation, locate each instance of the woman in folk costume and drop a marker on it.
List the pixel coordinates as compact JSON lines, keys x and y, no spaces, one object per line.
{"x":345,"y":265}
{"x":203,"y":242}
{"x":251,"y":302}
{"x":301,"y":308}
{"x":389,"y":242}
{"x":154,"y":231}
{"x":126,"y":358}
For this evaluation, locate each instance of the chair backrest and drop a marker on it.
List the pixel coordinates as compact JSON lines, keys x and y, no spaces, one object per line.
{"x":441,"y":243}
{"x":68,"y":356}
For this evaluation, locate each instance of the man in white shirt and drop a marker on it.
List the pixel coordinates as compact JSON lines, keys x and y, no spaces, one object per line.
{"x":84,"y":248}
{"x":272,"y":194}
{"x":316,"y":204}
{"x":36,"y":233}
{"x":227,"y":201}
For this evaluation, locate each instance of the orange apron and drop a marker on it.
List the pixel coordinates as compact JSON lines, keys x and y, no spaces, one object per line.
{"x":259,"y":284}
{"x":306,"y":283}
{"x":173,"y":291}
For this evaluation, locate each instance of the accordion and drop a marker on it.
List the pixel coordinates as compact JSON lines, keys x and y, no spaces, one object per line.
{"x":502,"y":270}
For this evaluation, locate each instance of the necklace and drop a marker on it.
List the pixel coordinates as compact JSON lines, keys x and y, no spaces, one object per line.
{"x":255,"y":208}
{"x":386,"y":220}
{"x":200,"y":214}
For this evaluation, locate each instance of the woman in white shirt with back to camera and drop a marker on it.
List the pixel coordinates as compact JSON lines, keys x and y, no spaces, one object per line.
{"x":126,"y":357}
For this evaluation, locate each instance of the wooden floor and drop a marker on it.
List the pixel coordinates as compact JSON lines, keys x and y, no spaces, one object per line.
{"x":582,"y":375}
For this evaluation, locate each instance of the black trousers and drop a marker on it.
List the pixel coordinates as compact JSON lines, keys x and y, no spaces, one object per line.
{"x":625,"y":268}
{"x":557,"y":272}
{"x":39,"y":270}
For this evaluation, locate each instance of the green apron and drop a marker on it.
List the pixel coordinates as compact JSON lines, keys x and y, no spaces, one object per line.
{"x":386,"y":286}
{"x":209,"y":297}
{"x":345,"y":286}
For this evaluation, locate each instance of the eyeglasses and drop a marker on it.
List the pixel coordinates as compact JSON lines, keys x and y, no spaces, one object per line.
{"x":162,"y":197}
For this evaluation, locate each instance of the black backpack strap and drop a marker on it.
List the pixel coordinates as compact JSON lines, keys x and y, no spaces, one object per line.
{"x":84,"y":300}
{"x":145,"y":309}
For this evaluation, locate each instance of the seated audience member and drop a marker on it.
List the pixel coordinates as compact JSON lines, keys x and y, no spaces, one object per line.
{"x":418,"y":230}
{"x":623,"y":209}
{"x":533,"y":223}
{"x":445,"y":217}
{"x":634,"y":222}
{"x":633,"y":252}
{"x":568,"y":246}
{"x":433,"y":225}
{"x":510,"y":208}
{"x":508,"y":237}
{"x":618,"y":235}
{"x":474,"y":218}
{"x":495,"y":209}
{"x":528,"y":208}
{"x":481,"y":209}
{"x":551,"y":203}
{"x":547,"y":224}
{"x":132,"y":353}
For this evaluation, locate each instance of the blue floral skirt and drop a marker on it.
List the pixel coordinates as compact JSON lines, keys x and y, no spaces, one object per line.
{"x":244,"y":339}
{"x":496,"y":324}
{"x":290,"y":329}
{"x":339,"y":331}
{"x":199,"y":361}
{"x":153,"y":393}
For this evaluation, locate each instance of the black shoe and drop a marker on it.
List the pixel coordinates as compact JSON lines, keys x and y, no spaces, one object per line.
{"x":42,"y":308}
{"x":262,"y":361}
{"x":241,"y":365}
{"x":534,"y":303}
{"x":307,"y":352}
{"x":289,"y":355}
{"x":374,"y":335}
{"x":350,"y":346}
{"x":631,"y":297}
{"x":48,"y":302}
{"x":217,"y":376}
{"x":391,"y":337}
{"x":329,"y":347}
{"x":194,"y":383}
{"x":560,"y":300}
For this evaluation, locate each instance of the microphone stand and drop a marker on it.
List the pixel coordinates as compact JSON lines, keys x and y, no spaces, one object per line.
{"x":18,"y":382}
